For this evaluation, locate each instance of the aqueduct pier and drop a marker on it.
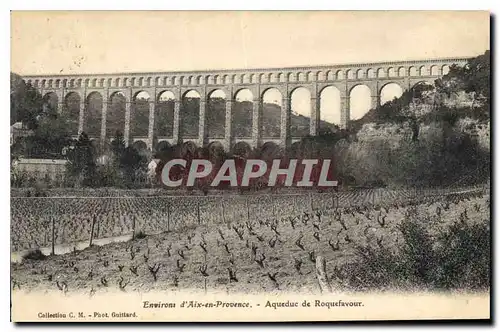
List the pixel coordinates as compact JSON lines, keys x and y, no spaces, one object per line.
{"x":344,"y":77}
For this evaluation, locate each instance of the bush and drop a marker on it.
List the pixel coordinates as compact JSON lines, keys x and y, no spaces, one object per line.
{"x":36,"y":255}
{"x":456,"y":259}
{"x":140,"y":235}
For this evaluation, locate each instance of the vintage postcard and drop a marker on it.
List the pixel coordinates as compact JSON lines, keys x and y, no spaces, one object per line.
{"x":250,"y":166}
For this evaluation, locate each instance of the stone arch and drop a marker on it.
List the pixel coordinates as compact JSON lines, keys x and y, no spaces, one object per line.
{"x":423,"y":82}
{"x":292,"y":77}
{"x":50,"y":83}
{"x":115,"y":116}
{"x":300,"y":101}
{"x":434,"y":71}
{"x":381,"y":73}
{"x":58,"y":83}
{"x":360,"y":74}
{"x":271,"y":112}
{"x":445,"y":69}
{"x":164,"y":114}
{"x":242,"y":114}
{"x":423,"y":71}
{"x":413,"y":71}
{"x":370,"y":73}
{"x":253,"y":78}
{"x":227,"y":79}
{"x":330,"y":75}
{"x":329,"y":108}
{"x":92,"y":120}
{"x":402,"y":72}
{"x":359,"y":101}
{"x":216,"y":114}
{"x":125,"y":82}
{"x":391,"y":72}
{"x":190,"y":113}
{"x":321,"y":76}
{"x":389,"y":91}
{"x":71,"y":109}
{"x":311,"y":76}
{"x":273,"y":78}
{"x":245,"y":78}
{"x":236,"y":79}
{"x":282,"y":77}
{"x":420,"y":87}
{"x":51,"y":100}
{"x":340,"y":75}
{"x":264,"y":78}
{"x":142,"y":94}
{"x":301,"y":77}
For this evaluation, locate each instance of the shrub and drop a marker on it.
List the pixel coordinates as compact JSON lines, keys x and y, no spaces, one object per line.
{"x":36,"y":255}
{"x":456,"y":259}
{"x":140,"y":235}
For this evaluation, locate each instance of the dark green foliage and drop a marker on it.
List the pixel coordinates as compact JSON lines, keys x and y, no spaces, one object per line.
{"x":140,"y":235}
{"x":26,"y":103}
{"x":126,"y":167}
{"x":81,"y":163}
{"x":456,"y":259}
{"x":50,"y":131}
{"x":35,"y":255}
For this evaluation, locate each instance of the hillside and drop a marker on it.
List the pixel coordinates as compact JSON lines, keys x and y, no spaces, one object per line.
{"x":458,"y":101}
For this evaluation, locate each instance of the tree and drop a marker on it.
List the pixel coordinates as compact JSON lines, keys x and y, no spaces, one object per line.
{"x":50,"y":130}
{"x":473,"y":78}
{"x":133,"y":165}
{"x":26,"y":103}
{"x":82,"y":161}
{"x":126,"y":161}
{"x":477,"y":76}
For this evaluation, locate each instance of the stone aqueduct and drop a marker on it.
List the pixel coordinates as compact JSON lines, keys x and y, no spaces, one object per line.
{"x":315,"y":78}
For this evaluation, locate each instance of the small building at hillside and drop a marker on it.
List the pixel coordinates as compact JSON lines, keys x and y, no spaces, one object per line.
{"x":18,"y":130}
{"x":40,"y":168}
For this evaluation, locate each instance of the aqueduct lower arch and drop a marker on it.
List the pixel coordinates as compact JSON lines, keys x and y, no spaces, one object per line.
{"x":167,"y":88}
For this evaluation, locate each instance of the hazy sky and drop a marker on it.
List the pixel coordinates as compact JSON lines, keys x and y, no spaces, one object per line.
{"x":93,"y":42}
{"x":108,"y":42}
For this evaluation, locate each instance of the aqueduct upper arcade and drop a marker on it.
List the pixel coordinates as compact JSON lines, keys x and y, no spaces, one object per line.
{"x":172,"y":87}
